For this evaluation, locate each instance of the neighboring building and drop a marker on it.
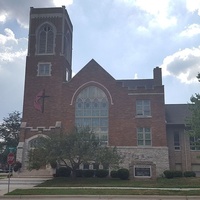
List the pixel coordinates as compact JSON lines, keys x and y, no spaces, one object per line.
{"x":184,"y":155}
{"x":128,"y":114}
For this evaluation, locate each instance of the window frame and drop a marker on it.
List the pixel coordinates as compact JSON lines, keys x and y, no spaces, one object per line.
{"x":43,"y":72}
{"x":48,"y":40}
{"x":177,"y":145}
{"x":144,"y":137}
{"x":142,"y":167}
{"x":93,"y":111}
{"x":142,"y":107}
{"x":194,"y":147}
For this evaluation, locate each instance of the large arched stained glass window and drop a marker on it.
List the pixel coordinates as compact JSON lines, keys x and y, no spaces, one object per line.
{"x":45,"y":39}
{"x":92,"y":110}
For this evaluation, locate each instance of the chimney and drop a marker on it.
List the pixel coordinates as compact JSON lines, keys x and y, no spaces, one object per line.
{"x":157,"y":76}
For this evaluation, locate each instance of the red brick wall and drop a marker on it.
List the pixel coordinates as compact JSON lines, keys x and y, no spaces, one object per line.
{"x":122,"y":111}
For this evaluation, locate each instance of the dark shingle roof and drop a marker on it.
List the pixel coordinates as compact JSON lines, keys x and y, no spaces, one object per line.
{"x":176,"y":113}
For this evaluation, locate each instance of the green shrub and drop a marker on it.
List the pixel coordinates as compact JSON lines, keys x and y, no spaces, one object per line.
{"x":123,"y":174}
{"x":88,"y":173}
{"x":79,"y":173}
{"x":114,"y":174}
{"x":189,"y":174}
{"x":63,"y":172}
{"x":177,"y":173}
{"x":17,"y":166}
{"x":101,"y":173}
{"x":168,"y":174}
{"x":172,"y":174}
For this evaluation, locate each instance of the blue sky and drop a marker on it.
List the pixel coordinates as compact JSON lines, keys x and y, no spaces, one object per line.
{"x":128,"y":38}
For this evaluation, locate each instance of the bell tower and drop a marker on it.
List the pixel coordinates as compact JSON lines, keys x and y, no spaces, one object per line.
{"x":48,"y":68}
{"x":48,"y":65}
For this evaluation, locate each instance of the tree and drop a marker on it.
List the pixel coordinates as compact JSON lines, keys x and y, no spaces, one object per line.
{"x":9,"y":134}
{"x":71,"y":149}
{"x":193,"y":122}
{"x":198,"y":77}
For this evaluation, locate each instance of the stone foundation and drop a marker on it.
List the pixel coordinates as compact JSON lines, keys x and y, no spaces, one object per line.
{"x":155,"y":157}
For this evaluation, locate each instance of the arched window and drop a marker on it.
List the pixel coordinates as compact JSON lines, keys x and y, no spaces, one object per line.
{"x":92,"y":110}
{"x":46,"y":39}
{"x":33,"y":143}
{"x":67,"y":47}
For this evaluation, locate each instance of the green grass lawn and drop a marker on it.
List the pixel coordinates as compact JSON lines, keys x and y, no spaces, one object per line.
{"x":42,"y":191}
{"x":106,"y":182}
{"x":103,"y":182}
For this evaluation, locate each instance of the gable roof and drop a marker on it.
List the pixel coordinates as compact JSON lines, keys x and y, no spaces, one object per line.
{"x":94,"y":68}
{"x":176,"y":113}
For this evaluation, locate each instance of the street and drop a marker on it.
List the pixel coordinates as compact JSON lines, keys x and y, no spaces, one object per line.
{"x":102,"y":197}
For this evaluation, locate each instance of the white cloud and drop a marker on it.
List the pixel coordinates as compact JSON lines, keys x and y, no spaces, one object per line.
{"x":12,"y":68}
{"x":9,"y":36}
{"x":19,"y":9}
{"x":184,"y":65}
{"x":11,"y":48}
{"x":193,"y":5}
{"x":3,"y":17}
{"x":135,"y":76}
{"x":191,"y":30}
{"x":158,"y":11}
{"x":143,"y":30}
{"x":62,"y":2}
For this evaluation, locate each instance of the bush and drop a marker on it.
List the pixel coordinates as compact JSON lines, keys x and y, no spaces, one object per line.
{"x":17,"y":166}
{"x":114,"y":174}
{"x":178,"y":173}
{"x":63,"y":172}
{"x":88,"y":173}
{"x":189,"y":174}
{"x":168,"y":174}
{"x":79,"y":173}
{"x":123,"y":174}
{"x":172,"y":174}
{"x":101,"y":173}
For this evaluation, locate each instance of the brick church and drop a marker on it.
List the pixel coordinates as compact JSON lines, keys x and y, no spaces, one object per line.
{"x":129,"y":114}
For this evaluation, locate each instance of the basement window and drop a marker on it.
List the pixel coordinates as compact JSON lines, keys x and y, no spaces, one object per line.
{"x":142,"y":171}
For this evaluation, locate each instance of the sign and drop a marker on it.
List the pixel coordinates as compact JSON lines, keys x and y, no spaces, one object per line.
{"x":10,"y":158}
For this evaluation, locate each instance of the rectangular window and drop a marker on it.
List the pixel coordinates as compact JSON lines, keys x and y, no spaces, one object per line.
{"x":177,"y":140}
{"x":85,"y":166}
{"x":142,"y":171}
{"x":143,"y":108}
{"x":44,"y":69}
{"x":144,"y":136}
{"x":194,"y":143}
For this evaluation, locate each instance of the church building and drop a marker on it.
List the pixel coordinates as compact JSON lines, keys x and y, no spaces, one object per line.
{"x":128,"y":114}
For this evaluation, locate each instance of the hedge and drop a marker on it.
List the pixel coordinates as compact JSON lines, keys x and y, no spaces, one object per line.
{"x":63,"y":172}
{"x":123,"y":174}
{"x":101,"y":173}
{"x":88,"y":173}
{"x":189,"y":174}
{"x":114,"y":174}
